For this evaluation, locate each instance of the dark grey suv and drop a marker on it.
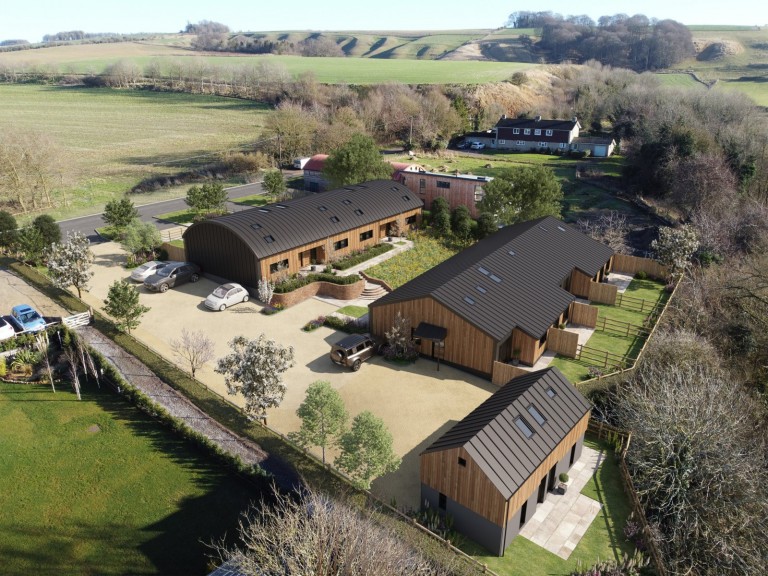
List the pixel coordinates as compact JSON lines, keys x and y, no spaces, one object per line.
{"x":353,"y":350}
{"x":171,"y":275}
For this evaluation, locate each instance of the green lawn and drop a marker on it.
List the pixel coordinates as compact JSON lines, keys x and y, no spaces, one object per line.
{"x":96,"y":487}
{"x":253,"y":200}
{"x":179,"y":217}
{"x":604,"y":540}
{"x":426,"y":253}
{"x":112,"y":139}
{"x":354,"y":311}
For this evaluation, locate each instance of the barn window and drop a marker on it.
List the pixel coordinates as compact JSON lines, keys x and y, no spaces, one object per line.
{"x":339,"y":244}
{"x":462,"y":462}
{"x":275,"y":267}
{"x":367,"y":235}
{"x":524,"y":427}
{"x":269,"y":239}
{"x":443,"y":184}
{"x":411,"y":219}
{"x":335,"y":219}
{"x":422,"y":183}
{"x":536,"y":415}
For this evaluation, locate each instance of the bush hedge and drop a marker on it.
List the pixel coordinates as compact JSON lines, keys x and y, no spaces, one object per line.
{"x":361,"y":256}
{"x":298,"y":282}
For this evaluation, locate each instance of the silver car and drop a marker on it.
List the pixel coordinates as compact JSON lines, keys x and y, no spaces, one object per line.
{"x":146,"y":270}
{"x":226,"y":295}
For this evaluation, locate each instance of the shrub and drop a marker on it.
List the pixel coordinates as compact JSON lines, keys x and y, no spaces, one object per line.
{"x":343,"y":325}
{"x":3,"y":367}
{"x":563,"y":477}
{"x":299,"y":281}
{"x":641,"y":275}
{"x":274,"y":309}
{"x":314,"y":324}
{"x":361,"y":256}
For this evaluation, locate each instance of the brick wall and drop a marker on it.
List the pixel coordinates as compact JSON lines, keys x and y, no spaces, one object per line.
{"x":338,"y":291}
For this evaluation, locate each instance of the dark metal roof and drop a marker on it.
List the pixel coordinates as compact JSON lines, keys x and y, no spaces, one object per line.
{"x":493,"y":440}
{"x":497,"y":291}
{"x":567,"y":125}
{"x":275,"y":228}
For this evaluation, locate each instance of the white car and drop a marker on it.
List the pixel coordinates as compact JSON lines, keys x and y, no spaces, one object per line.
{"x":146,"y":270}
{"x":6,"y":330}
{"x":226,"y":295}
{"x":477,"y":146}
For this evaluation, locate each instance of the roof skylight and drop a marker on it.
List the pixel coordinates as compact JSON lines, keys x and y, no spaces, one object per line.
{"x":483,"y":271}
{"x":551,"y":392}
{"x":469,"y":300}
{"x":255,"y":225}
{"x":269,"y":239}
{"x":481,"y":289}
{"x":346,"y":201}
{"x":495,"y":278}
{"x":322,"y":208}
{"x":265,"y":210}
{"x":524,"y":427}
{"x":536,"y":415}
{"x":335,"y":219}
{"x":359,"y":212}
{"x":561,"y":229}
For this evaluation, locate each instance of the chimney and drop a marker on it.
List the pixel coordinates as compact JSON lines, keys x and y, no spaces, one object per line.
{"x":538,"y":119}
{"x":575,"y":119}
{"x":503,"y":116}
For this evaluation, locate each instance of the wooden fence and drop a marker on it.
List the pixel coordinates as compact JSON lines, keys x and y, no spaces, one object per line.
{"x":603,"y":293}
{"x":583,"y":314}
{"x":638,"y":304}
{"x":170,"y":234}
{"x":635,"y":264}
{"x":176,"y":253}
{"x":602,"y":358}
{"x":503,"y":373}
{"x":82,"y":319}
{"x":562,"y":342}
{"x":621,"y":328}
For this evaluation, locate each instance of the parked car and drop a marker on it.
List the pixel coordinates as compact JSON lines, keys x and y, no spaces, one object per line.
{"x":6,"y":330}
{"x":146,"y":270}
{"x":477,"y":146}
{"x":225,"y":296}
{"x":463,"y":144}
{"x":351,"y":351}
{"x":171,"y":275}
{"x":27,"y":318}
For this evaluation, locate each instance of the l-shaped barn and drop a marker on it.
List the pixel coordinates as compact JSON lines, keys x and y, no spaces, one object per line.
{"x":495,"y":301}
{"x":286,"y":236}
{"x":491,"y":470}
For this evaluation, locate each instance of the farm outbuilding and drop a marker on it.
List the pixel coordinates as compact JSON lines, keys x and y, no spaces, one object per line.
{"x":491,"y":470}
{"x":496,"y":300}
{"x":282,"y":238}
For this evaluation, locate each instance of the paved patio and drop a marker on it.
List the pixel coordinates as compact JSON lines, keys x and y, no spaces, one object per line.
{"x":561,"y":521}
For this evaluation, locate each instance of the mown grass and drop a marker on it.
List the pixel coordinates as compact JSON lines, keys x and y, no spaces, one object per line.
{"x":95,"y":486}
{"x":253,"y":200}
{"x":112,"y":139}
{"x":178,"y":217}
{"x":604,"y":539}
{"x":427,"y":252}
{"x":354,"y":311}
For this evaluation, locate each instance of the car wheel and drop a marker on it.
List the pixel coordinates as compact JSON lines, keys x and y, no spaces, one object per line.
{"x":163,"y":287}
{"x":194,"y":278}
{"x":356,"y":365}
{"x":222,"y":307}
{"x":245,"y":298}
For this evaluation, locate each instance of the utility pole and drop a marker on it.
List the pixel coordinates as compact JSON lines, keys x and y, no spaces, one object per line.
{"x":279,"y":152}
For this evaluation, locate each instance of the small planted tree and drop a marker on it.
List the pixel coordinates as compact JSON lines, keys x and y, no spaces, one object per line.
{"x":69,"y":263}
{"x":400,"y":345}
{"x":274,"y":183}
{"x":486,"y":225}
{"x":366,"y":450}
{"x":193,"y":349}
{"x":323,"y":417}
{"x":208,"y":198}
{"x":254,"y":369}
{"x":30,"y":246}
{"x":461,"y":223}
{"x":141,"y":240}
{"x":266,"y":289}
{"x":119,"y":213}
{"x":8,"y":231}
{"x":49,"y":229}
{"x":122,"y":303}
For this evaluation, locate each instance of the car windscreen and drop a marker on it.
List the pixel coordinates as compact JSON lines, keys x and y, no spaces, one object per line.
{"x":29,"y":316}
{"x":220,"y":292}
{"x":165,"y":271}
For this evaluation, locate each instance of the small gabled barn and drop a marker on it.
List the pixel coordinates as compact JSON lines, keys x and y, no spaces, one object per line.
{"x":284,"y":237}
{"x":491,"y":470}
{"x":496,"y":300}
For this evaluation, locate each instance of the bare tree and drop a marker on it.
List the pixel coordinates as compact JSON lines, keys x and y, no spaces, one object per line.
{"x":610,"y":228}
{"x":193,"y":349}
{"x":315,"y":534}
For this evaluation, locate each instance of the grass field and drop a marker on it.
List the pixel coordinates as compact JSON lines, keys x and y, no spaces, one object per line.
{"x":604,"y":539}
{"x":95,"y":487}
{"x":111,"y":139}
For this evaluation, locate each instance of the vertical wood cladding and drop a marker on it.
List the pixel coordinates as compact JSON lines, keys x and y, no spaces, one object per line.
{"x":465,"y":345}
{"x":579,"y":285}
{"x":220,"y":252}
{"x":470,"y":487}
{"x":457,"y":191}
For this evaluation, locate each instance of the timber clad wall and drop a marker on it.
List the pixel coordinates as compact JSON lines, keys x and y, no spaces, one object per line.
{"x":458,"y":190}
{"x":580,"y":284}
{"x":464,"y":344}
{"x":470,"y":487}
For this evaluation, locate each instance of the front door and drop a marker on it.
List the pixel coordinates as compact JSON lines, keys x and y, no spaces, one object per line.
{"x":551,"y":482}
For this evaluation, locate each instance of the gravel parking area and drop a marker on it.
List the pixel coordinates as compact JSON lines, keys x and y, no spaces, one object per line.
{"x":416,"y":402}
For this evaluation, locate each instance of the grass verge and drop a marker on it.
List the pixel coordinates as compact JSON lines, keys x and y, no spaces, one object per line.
{"x":353,"y":311}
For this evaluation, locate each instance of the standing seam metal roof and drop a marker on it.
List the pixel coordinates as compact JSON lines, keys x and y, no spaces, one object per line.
{"x":275,"y":228}
{"x":493,"y":440}
{"x":516,"y":291}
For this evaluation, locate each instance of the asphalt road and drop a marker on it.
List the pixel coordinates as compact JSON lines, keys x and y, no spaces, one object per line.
{"x":149,"y":212}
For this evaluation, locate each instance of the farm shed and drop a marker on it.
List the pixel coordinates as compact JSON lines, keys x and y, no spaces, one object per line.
{"x":284,"y":237}
{"x":497,"y":299}
{"x":491,"y":470}
{"x":457,"y":189}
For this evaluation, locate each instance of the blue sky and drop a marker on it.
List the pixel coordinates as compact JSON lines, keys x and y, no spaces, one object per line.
{"x":31,"y":19}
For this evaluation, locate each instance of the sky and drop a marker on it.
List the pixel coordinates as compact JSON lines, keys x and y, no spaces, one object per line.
{"x":31,"y":19}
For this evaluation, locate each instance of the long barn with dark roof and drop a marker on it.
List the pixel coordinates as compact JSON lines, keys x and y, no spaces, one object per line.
{"x":491,"y":470}
{"x":495,"y":301}
{"x":286,"y":236}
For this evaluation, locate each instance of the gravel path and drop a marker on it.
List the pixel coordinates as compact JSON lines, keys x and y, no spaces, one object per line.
{"x":180,"y":407}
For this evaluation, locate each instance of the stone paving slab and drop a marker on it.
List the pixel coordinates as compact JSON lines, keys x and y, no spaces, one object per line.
{"x":561,"y":521}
